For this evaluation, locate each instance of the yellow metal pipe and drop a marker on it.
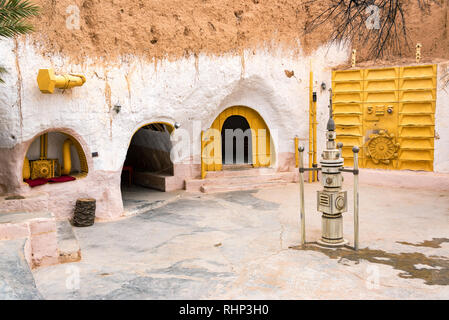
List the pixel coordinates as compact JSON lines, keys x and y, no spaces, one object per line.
{"x":310,"y":123}
{"x":203,"y":168}
{"x":66,"y":155}
{"x":315,"y":173}
{"x":48,"y":81}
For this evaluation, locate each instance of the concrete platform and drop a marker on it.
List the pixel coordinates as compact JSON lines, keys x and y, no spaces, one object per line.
{"x":244,"y":245}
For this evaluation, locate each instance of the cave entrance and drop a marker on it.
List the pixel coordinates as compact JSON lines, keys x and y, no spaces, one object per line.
{"x":148,"y":162}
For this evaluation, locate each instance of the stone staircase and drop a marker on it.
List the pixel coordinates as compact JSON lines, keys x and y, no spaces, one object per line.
{"x":240,"y":177}
{"x":159,"y":181}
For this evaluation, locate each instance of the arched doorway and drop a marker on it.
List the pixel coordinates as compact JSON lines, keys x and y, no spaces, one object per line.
{"x":54,"y":157}
{"x":236,"y":142}
{"x":261,"y":154}
{"x":147,"y":163}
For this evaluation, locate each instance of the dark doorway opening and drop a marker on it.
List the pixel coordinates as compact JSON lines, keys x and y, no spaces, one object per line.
{"x":148,"y":162}
{"x":236,"y":145}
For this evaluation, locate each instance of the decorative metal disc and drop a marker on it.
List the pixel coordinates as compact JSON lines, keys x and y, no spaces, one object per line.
{"x":382,"y":147}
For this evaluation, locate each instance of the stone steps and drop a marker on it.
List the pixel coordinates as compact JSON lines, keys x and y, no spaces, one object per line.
{"x":235,"y":172}
{"x":158,"y":181}
{"x":244,"y":180}
{"x":250,"y":186}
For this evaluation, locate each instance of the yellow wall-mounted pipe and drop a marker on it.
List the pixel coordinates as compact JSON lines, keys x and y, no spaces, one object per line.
{"x":66,"y":155}
{"x":314,"y":148}
{"x":310,"y":122}
{"x":203,"y":167}
{"x":48,"y":81}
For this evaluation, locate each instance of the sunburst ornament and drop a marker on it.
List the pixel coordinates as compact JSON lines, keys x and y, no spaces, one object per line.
{"x":382,"y":147}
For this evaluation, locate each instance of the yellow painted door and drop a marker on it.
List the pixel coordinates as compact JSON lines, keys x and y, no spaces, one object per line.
{"x":260,"y":136}
{"x":390,"y":113}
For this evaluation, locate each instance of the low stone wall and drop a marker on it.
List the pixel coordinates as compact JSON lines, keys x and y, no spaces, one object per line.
{"x":39,"y":228}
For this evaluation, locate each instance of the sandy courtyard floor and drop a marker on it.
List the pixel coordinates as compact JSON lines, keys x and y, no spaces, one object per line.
{"x":244,"y":245}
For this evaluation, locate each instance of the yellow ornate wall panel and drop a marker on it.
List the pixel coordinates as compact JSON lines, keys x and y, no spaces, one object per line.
{"x":390,"y":113}
{"x":260,"y":139}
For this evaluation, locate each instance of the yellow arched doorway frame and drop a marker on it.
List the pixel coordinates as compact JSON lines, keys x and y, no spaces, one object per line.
{"x":260,"y":137}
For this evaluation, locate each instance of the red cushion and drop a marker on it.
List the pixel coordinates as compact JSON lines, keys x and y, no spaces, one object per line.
{"x":36,"y":182}
{"x":61,"y":179}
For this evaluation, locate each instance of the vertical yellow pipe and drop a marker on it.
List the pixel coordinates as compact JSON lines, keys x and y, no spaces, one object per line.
{"x":310,"y":122}
{"x":203,"y":169}
{"x":67,"y":159}
{"x":315,"y":173}
{"x":44,"y":146}
{"x":296,"y":152}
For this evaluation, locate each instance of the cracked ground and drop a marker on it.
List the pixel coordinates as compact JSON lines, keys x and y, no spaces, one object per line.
{"x":245,"y":245}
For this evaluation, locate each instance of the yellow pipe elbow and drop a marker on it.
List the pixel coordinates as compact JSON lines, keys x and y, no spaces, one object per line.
{"x":67,"y":160}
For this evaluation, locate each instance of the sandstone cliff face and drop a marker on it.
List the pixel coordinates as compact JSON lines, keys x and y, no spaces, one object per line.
{"x":171,"y":29}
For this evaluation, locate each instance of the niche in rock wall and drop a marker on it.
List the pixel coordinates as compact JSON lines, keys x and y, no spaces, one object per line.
{"x":54,"y":157}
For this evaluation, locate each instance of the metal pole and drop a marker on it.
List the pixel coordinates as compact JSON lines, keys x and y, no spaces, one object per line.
{"x":356,"y":150}
{"x":340,"y":148}
{"x":301,"y":188}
